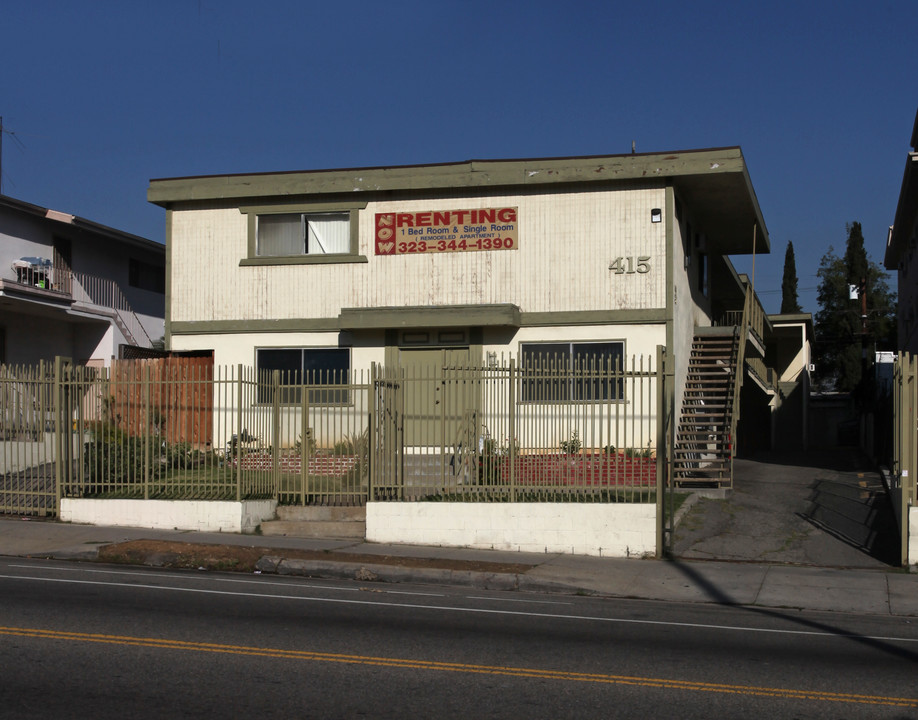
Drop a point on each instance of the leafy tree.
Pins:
(840, 329)
(789, 302)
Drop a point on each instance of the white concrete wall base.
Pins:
(608, 530)
(912, 536)
(200, 515)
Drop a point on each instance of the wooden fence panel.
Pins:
(173, 396)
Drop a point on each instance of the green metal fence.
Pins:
(547, 431)
(229, 434)
(29, 416)
(164, 429)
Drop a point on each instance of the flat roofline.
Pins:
(793, 319)
(460, 163)
(714, 182)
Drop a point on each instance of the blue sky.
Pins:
(102, 96)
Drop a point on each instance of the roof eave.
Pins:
(80, 223)
(906, 209)
(468, 174)
(715, 181)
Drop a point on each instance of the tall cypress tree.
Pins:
(855, 254)
(789, 302)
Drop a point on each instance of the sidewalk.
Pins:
(870, 591)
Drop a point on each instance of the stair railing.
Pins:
(103, 292)
(741, 332)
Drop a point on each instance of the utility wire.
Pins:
(12, 134)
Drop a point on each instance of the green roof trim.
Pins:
(714, 181)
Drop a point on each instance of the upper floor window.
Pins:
(303, 234)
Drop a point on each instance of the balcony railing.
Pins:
(84, 289)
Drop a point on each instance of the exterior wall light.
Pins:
(656, 215)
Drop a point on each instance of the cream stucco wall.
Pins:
(198, 515)
(616, 530)
(567, 241)
(240, 348)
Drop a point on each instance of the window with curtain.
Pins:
(291, 234)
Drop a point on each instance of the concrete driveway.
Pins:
(824, 508)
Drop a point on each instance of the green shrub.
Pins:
(572, 445)
(111, 457)
(355, 445)
(641, 453)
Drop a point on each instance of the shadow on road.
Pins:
(815, 626)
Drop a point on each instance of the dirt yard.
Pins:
(236, 558)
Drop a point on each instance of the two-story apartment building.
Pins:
(554, 258)
(75, 288)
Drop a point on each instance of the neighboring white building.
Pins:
(74, 288)
(338, 269)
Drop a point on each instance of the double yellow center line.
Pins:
(648, 682)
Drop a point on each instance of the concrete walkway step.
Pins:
(317, 521)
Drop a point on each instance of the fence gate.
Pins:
(387, 420)
(34, 404)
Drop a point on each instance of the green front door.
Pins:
(439, 395)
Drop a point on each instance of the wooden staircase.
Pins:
(703, 453)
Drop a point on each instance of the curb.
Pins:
(364, 572)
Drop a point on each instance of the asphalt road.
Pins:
(114, 642)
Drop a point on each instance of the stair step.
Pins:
(318, 521)
(702, 458)
(697, 439)
(709, 464)
(321, 513)
(693, 431)
(703, 454)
